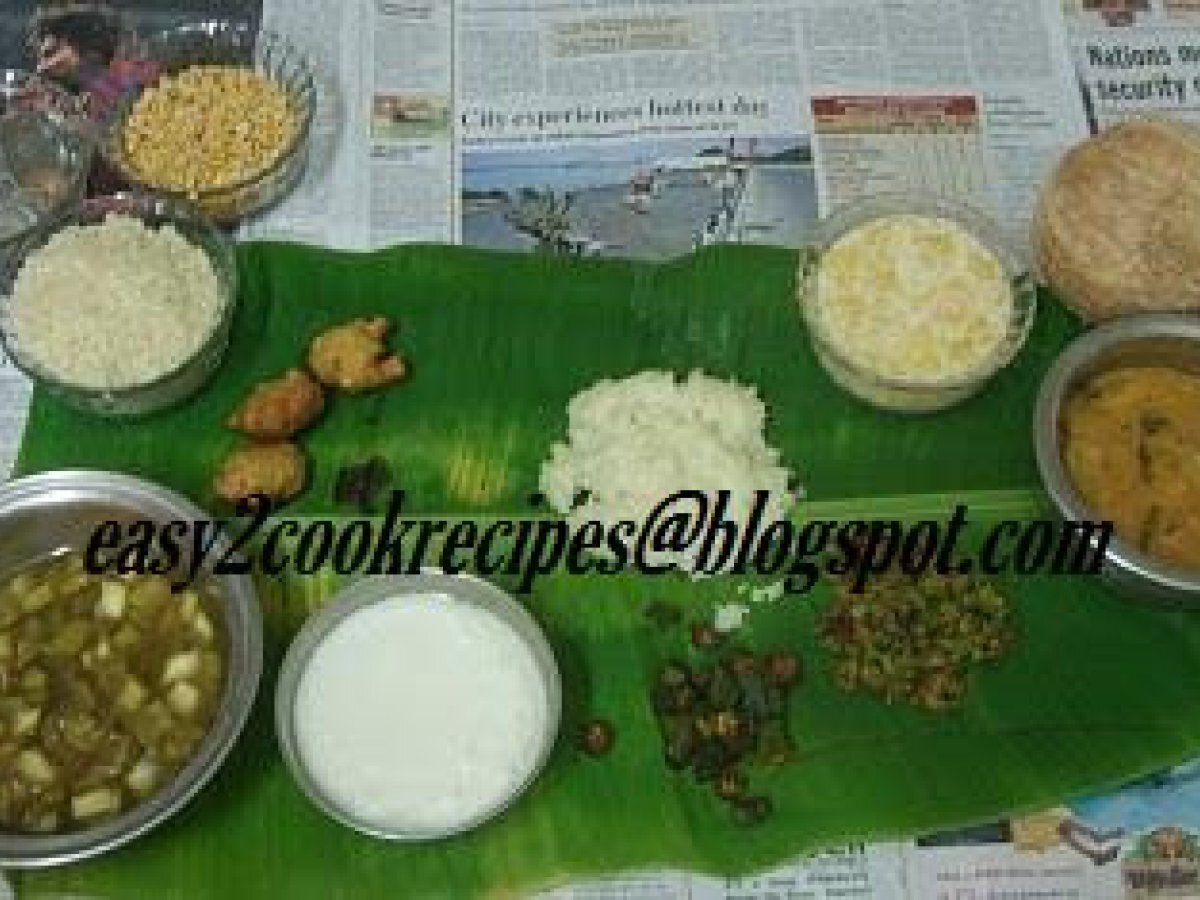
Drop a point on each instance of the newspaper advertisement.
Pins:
(1136, 57)
(1140, 843)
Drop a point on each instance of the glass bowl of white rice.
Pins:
(123, 307)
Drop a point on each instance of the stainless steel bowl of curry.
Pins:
(1117, 437)
(121, 699)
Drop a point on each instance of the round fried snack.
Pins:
(277, 470)
(1118, 226)
(277, 409)
(352, 357)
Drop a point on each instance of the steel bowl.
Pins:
(170, 388)
(43, 514)
(462, 589)
(1156, 339)
(222, 42)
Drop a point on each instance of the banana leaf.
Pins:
(1097, 690)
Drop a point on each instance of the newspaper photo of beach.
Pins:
(410, 115)
(649, 199)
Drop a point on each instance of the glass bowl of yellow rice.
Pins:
(223, 124)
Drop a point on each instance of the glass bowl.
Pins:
(170, 388)
(226, 43)
(45, 154)
(457, 589)
(914, 395)
(24, 91)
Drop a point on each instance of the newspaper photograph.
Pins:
(643, 199)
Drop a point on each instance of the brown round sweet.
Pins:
(1117, 228)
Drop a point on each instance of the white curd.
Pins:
(420, 714)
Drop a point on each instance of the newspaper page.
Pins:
(966, 99)
(324, 208)
(384, 168)
(1136, 57)
(637, 133)
(15, 391)
(1139, 843)
(856, 871)
(646, 131)
(413, 167)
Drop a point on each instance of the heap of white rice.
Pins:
(633, 443)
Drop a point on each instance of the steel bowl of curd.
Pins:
(418, 707)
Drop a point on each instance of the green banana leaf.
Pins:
(1097, 691)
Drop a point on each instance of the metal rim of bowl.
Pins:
(138, 204)
(462, 588)
(243, 671)
(982, 227)
(1060, 380)
(257, 38)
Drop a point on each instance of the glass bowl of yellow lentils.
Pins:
(224, 125)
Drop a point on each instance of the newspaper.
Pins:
(384, 165)
(648, 128)
(1138, 57)
(645, 130)
(15, 391)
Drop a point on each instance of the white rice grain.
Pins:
(114, 305)
(633, 443)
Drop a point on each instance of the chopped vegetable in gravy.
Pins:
(1132, 448)
(107, 687)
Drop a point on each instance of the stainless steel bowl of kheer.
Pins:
(122, 697)
(1117, 435)
(417, 707)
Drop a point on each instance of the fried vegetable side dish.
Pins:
(110, 684)
(723, 712)
(915, 639)
(277, 409)
(352, 357)
(277, 470)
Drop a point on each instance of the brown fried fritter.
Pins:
(277, 409)
(352, 357)
(277, 469)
